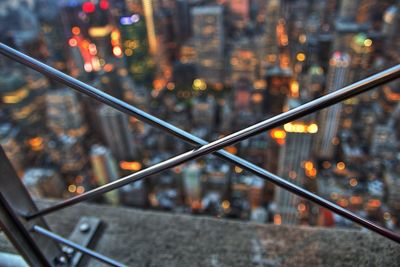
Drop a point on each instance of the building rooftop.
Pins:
(148, 238)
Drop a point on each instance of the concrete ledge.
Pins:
(146, 238)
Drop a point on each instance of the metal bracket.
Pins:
(85, 233)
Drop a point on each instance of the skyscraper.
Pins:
(346, 25)
(208, 35)
(191, 184)
(271, 42)
(64, 113)
(136, 48)
(44, 182)
(117, 133)
(391, 27)
(20, 103)
(12, 148)
(278, 87)
(330, 117)
(240, 10)
(243, 61)
(68, 152)
(295, 163)
(105, 169)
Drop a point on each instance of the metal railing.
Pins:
(202, 147)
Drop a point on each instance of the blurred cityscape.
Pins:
(210, 68)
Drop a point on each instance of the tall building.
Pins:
(278, 88)
(243, 61)
(360, 54)
(209, 40)
(44, 182)
(159, 24)
(391, 27)
(314, 82)
(181, 20)
(271, 40)
(48, 14)
(346, 25)
(295, 164)
(117, 133)
(330, 118)
(204, 113)
(191, 184)
(105, 169)
(68, 153)
(19, 103)
(64, 113)
(11, 145)
(240, 10)
(136, 49)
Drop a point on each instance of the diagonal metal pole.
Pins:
(16, 232)
(78, 247)
(325, 101)
(14, 201)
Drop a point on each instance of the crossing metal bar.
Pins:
(14, 200)
(325, 101)
(19, 237)
(78, 247)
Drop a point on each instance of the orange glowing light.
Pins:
(75, 30)
(308, 165)
(108, 67)
(294, 89)
(130, 165)
(196, 205)
(158, 84)
(343, 202)
(225, 204)
(36, 143)
(80, 189)
(301, 57)
(277, 219)
(257, 98)
(340, 166)
(374, 203)
(356, 200)
(231, 149)
(311, 173)
(278, 134)
(280, 141)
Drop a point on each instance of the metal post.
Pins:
(14, 199)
